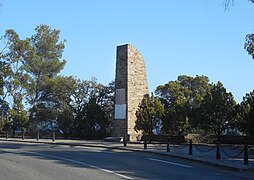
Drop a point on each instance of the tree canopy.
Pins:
(180, 98)
(38, 97)
(217, 111)
(149, 115)
(33, 95)
(249, 44)
(245, 118)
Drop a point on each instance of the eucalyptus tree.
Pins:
(5, 70)
(43, 61)
(15, 79)
(249, 44)
(4, 108)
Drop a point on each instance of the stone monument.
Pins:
(131, 86)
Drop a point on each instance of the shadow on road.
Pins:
(124, 162)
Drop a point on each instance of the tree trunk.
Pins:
(219, 135)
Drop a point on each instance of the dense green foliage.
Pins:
(217, 111)
(180, 98)
(245, 118)
(34, 96)
(192, 104)
(39, 98)
(249, 44)
(149, 115)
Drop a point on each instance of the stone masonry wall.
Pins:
(137, 88)
(131, 86)
(120, 124)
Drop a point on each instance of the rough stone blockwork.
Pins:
(131, 86)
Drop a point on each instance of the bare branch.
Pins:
(227, 4)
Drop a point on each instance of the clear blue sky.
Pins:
(175, 37)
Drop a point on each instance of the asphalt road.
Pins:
(43, 161)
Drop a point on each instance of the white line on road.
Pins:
(77, 162)
(85, 164)
(172, 163)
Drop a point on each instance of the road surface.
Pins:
(44, 161)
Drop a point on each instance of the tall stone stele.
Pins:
(131, 86)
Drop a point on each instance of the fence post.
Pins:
(53, 136)
(145, 143)
(190, 147)
(38, 135)
(246, 157)
(218, 150)
(168, 144)
(124, 140)
(23, 135)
